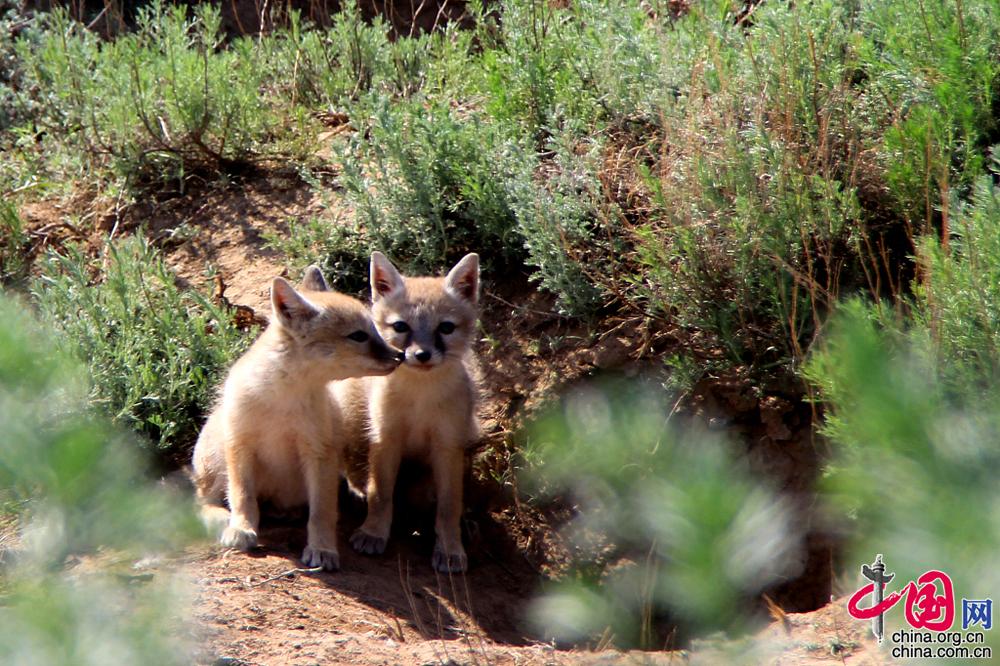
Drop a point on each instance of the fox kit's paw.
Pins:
(365, 543)
(316, 557)
(444, 562)
(235, 537)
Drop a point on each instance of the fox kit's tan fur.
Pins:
(274, 434)
(427, 408)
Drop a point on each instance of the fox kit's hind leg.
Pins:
(322, 476)
(383, 461)
(449, 556)
(242, 494)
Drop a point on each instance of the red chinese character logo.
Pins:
(924, 607)
(934, 611)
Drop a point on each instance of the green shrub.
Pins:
(155, 352)
(914, 453)
(340, 251)
(14, 110)
(158, 103)
(561, 211)
(912, 396)
(14, 245)
(77, 487)
(336, 67)
(428, 185)
(549, 69)
(958, 293)
(754, 217)
(936, 63)
(669, 523)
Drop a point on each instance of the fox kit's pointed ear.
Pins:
(463, 279)
(385, 279)
(288, 305)
(313, 280)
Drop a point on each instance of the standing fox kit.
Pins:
(427, 407)
(275, 434)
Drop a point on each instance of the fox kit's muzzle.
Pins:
(386, 354)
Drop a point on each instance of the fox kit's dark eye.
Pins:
(358, 336)
(446, 327)
(400, 326)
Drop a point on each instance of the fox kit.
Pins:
(427, 408)
(274, 434)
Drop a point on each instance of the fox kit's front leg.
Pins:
(448, 463)
(242, 494)
(322, 476)
(383, 465)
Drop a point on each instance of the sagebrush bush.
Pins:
(911, 390)
(914, 451)
(157, 103)
(754, 207)
(339, 67)
(14, 245)
(957, 293)
(339, 250)
(562, 215)
(14, 110)
(548, 69)
(939, 66)
(155, 351)
(756, 199)
(428, 184)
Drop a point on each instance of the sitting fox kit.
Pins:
(275, 435)
(427, 407)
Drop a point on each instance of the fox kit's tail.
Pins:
(211, 509)
(215, 517)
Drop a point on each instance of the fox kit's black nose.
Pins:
(423, 356)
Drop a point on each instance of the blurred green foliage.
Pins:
(912, 395)
(77, 486)
(670, 523)
(913, 472)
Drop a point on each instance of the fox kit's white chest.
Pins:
(289, 428)
(418, 408)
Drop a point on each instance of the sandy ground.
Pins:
(263, 609)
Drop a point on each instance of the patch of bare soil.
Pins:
(220, 227)
(224, 227)
(262, 608)
(828, 635)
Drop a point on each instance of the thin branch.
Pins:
(284, 574)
